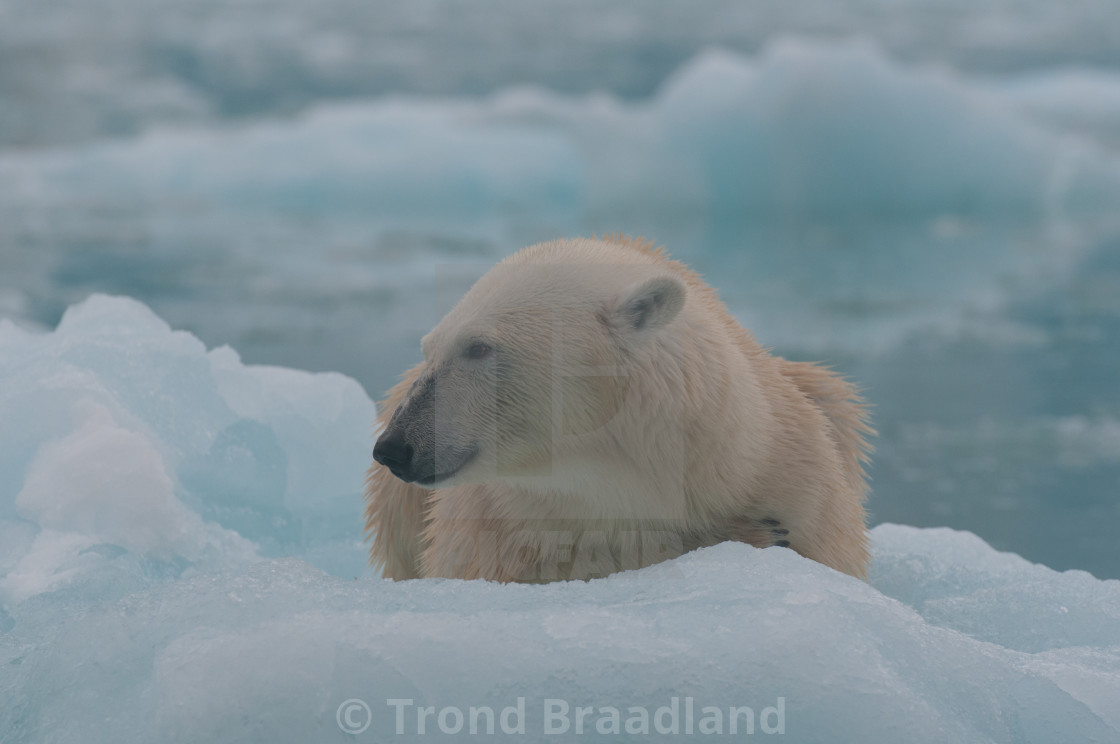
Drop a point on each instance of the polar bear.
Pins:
(591, 406)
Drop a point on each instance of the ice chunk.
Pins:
(136, 446)
(105, 485)
(955, 580)
(843, 130)
(107, 481)
(1083, 100)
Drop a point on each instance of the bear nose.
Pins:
(394, 453)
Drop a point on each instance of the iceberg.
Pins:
(181, 559)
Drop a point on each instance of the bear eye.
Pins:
(478, 350)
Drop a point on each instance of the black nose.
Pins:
(394, 453)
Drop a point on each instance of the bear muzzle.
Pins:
(394, 452)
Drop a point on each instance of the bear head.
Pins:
(522, 380)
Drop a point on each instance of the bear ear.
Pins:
(650, 305)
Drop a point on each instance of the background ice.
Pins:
(76, 70)
(150, 488)
(785, 135)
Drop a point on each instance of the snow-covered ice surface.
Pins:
(181, 561)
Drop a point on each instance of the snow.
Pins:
(181, 560)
